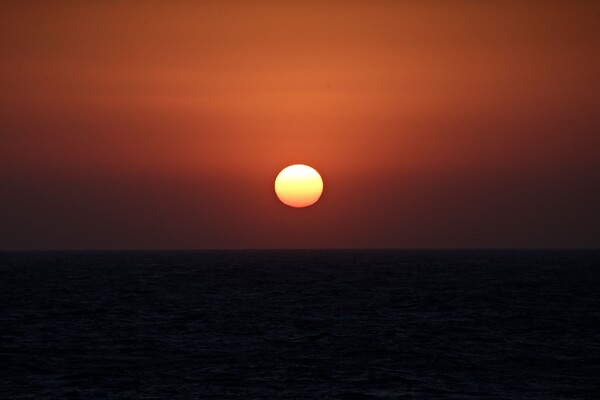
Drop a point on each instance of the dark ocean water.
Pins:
(300, 325)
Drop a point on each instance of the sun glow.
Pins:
(298, 186)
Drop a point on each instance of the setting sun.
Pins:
(298, 186)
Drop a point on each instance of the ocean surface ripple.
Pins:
(356, 324)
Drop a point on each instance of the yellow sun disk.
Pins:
(299, 186)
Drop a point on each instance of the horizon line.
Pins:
(237, 249)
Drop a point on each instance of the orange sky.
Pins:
(163, 124)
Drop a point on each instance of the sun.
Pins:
(299, 186)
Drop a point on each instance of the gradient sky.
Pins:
(163, 124)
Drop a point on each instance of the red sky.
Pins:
(163, 124)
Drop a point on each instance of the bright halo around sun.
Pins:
(299, 186)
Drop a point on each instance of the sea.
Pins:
(300, 324)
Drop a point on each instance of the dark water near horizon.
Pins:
(503, 324)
